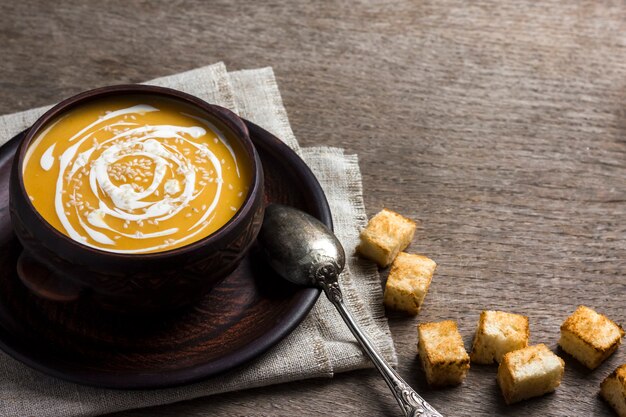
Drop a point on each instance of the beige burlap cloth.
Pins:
(319, 347)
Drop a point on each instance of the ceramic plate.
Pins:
(246, 314)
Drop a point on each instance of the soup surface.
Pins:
(136, 174)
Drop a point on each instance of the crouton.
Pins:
(408, 282)
(613, 390)
(590, 337)
(498, 333)
(529, 372)
(386, 234)
(442, 353)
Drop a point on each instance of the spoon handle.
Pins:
(412, 404)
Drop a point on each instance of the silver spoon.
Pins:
(302, 250)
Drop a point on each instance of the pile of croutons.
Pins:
(524, 371)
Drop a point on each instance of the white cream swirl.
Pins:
(138, 174)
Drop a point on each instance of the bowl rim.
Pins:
(231, 120)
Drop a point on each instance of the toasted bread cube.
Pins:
(498, 333)
(590, 337)
(386, 234)
(442, 353)
(408, 282)
(529, 372)
(613, 390)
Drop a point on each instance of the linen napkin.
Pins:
(319, 347)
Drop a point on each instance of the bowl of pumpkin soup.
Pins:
(139, 198)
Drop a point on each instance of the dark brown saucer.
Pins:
(243, 316)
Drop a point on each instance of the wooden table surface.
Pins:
(499, 125)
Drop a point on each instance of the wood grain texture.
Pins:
(500, 125)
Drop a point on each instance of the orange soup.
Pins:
(136, 174)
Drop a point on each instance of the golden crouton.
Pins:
(529, 372)
(408, 282)
(590, 337)
(613, 390)
(442, 353)
(386, 234)
(498, 332)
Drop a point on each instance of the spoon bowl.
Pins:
(295, 243)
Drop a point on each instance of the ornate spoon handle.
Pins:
(412, 404)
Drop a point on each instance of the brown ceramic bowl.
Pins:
(57, 267)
